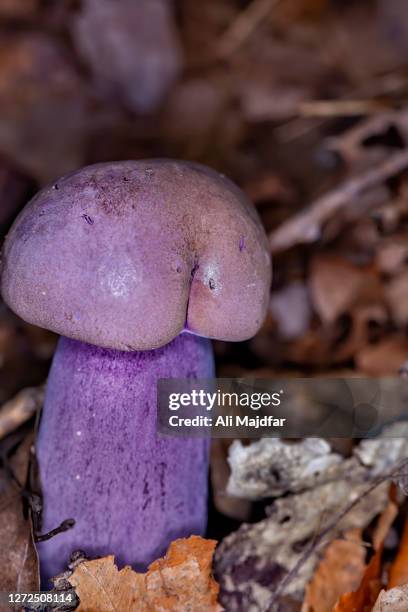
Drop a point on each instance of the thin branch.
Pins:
(340, 108)
(319, 539)
(65, 526)
(306, 226)
(243, 26)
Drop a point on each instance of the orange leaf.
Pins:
(182, 580)
(399, 569)
(363, 599)
(340, 570)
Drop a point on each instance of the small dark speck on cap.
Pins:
(242, 243)
(56, 186)
(211, 284)
(88, 219)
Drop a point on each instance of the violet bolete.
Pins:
(122, 259)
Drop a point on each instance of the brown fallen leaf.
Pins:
(180, 581)
(256, 564)
(340, 570)
(396, 294)
(365, 596)
(392, 254)
(398, 574)
(336, 285)
(385, 357)
(266, 186)
(365, 322)
(18, 558)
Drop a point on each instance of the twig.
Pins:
(20, 409)
(306, 226)
(65, 526)
(340, 108)
(243, 26)
(319, 539)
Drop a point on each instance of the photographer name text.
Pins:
(227, 421)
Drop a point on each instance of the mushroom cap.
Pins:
(126, 255)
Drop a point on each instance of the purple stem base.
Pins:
(129, 490)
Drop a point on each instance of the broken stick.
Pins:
(306, 226)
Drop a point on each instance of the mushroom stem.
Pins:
(129, 490)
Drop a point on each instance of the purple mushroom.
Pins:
(136, 265)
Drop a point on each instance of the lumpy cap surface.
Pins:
(126, 255)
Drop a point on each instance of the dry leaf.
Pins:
(362, 326)
(365, 321)
(179, 582)
(364, 597)
(340, 570)
(323, 482)
(252, 562)
(397, 298)
(385, 357)
(336, 285)
(18, 558)
(367, 591)
(266, 186)
(392, 254)
(398, 574)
